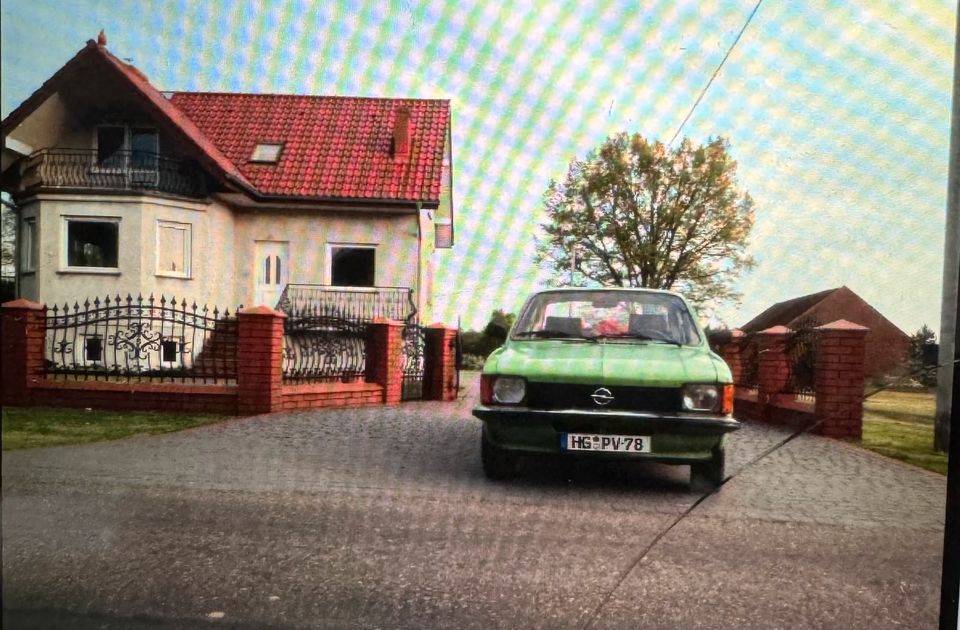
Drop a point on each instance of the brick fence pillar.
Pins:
(840, 379)
(773, 368)
(259, 360)
(385, 358)
(732, 353)
(440, 363)
(24, 327)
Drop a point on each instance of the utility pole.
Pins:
(948, 374)
(951, 268)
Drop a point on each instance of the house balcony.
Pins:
(123, 171)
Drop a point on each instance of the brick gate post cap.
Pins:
(387, 321)
(776, 330)
(438, 325)
(844, 326)
(23, 304)
(260, 310)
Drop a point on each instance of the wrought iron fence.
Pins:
(325, 331)
(140, 338)
(122, 170)
(750, 363)
(412, 356)
(322, 342)
(801, 349)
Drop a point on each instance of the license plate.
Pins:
(605, 443)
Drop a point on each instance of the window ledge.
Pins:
(176, 276)
(102, 271)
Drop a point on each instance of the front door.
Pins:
(272, 270)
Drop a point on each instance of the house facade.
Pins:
(224, 198)
(886, 347)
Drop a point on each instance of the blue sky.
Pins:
(837, 112)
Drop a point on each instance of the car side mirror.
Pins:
(496, 331)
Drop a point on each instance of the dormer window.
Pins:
(267, 153)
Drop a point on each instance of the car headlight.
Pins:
(697, 397)
(509, 390)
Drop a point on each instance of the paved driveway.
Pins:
(381, 518)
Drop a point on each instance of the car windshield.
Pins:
(607, 314)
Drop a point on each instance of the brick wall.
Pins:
(440, 363)
(384, 359)
(837, 409)
(259, 386)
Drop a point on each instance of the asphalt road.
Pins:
(381, 518)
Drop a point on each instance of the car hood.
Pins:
(608, 362)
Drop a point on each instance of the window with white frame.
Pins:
(91, 242)
(353, 266)
(173, 249)
(28, 245)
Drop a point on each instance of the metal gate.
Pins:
(414, 343)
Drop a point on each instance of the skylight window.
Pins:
(266, 152)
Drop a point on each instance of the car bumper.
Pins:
(677, 438)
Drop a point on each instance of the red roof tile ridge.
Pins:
(310, 96)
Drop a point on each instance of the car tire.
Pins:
(707, 476)
(497, 463)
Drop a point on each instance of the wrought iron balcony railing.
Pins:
(364, 304)
(135, 171)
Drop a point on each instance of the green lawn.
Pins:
(900, 425)
(32, 427)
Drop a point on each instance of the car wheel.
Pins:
(497, 463)
(706, 476)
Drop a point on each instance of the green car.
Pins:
(609, 373)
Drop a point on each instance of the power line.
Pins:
(716, 72)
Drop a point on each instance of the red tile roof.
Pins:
(333, 147)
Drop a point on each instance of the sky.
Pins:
(837, 112)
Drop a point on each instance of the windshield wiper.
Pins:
(550, 334)
(641, 337)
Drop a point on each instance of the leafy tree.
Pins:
(637, 213)
(483, 343)
(8, 246)
(923, 359)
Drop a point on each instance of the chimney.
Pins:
(102, 39)
(401, 134)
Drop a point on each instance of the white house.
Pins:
(223, 198)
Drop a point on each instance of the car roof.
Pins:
(607, 290)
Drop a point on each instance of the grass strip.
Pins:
(34, 427)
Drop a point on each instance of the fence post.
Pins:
(385, 358)
(24, 328)
(440, 363)
(840, 379)
(773, 369)
(732, 353)
(259, 360)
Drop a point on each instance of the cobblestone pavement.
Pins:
(381, 518)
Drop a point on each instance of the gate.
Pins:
(414, 343)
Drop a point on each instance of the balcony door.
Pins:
(271, 270)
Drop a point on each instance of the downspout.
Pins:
(420, 262)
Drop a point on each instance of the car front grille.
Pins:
(567, 396)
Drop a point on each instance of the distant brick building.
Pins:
(887, 346)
